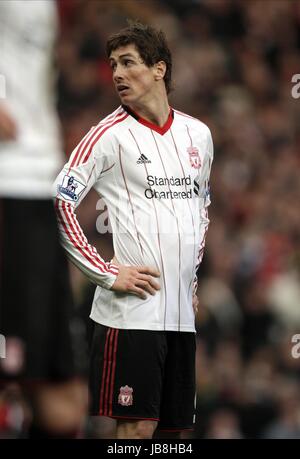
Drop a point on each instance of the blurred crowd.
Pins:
(233, 65)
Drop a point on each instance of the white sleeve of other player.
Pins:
(204, 202)
(71, 186)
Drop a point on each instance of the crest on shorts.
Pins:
(195, 160)
(125, 396)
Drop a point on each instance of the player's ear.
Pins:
(160, 69)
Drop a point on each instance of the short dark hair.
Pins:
(150, 43)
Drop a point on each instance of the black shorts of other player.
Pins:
(36, 304)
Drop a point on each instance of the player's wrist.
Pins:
(112, 268)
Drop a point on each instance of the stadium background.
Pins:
(233, 65)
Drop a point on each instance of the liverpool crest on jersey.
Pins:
(195, 160)
(125, 396)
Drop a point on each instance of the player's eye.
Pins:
(128, 62)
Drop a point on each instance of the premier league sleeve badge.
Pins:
(70, 189)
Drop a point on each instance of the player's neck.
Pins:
(156, 110)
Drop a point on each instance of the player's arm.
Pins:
(71, 186)
(204, 202)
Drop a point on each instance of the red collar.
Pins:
(160, 129)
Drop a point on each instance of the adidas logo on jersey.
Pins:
(143, 160)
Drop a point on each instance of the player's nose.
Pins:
(118, 75)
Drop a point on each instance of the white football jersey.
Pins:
(29, 164)
(155, 183)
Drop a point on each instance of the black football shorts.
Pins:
(36, 305)
(142, 374)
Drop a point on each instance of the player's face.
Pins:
(133, 80)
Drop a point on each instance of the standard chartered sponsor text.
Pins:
(169, 182)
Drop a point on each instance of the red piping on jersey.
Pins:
(91, 173)
(85, 251)
(100, 135)
(160, 129)
(60, 213)
(108, 169)
(79, 234)
(90, 134)
(129, 199)
(93, 139)
(92, 251)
